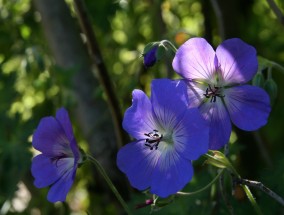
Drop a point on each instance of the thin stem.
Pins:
(102, 70)
(219, 17)
(262, 148)
(109, 182)
(170, 44)
(202, 189)
(251, 199)
(224, 195)
(226, 150)
(221, 161)
(277, 66)
(261, 187)
(269, 73)
(276, 10)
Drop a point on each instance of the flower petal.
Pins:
(75, 150)
(237, 61)
(138, 119)
(63, 117)
(169, 95)
(44, 171)
(171, 174)
(191, 135)
(138, 162)
(50, 138)
(195, 92)
(60, 189)
(219, 121)
(195, 59)
(248, 106)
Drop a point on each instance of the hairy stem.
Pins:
(251, 199)
(109, 182)
(202, 189)
(260, 186)
(224, 195)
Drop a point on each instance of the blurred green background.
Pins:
(45, 65)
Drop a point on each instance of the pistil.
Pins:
(153, 139)
(213, 93)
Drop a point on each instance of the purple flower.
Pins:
(217, 86)
(168, 136)
(150, 57)
(56, 166)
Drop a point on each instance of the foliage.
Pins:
(33, 86)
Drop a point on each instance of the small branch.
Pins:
(109, 182)
(219, 18)
(262, 148)
(261, 187)
(102, 70)
(226, 150)
(276, 10)
(251, 199)
(202, 189)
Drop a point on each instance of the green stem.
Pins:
(204, 188)
(109, 182)
(252, 200)
(278, 66)
(221, 161)
(170, 44)
(269, 73)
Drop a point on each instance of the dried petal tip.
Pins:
(145, 204)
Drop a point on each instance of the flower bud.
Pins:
(258, 80)
(155, 51)
(150, 56)
(271, 88)
(218, 159)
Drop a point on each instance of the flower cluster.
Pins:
(181, 120)
(185, 118)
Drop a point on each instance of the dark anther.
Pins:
(153, 140)
(213, 93)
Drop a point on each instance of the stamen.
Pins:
(213, 93)
(153, 140)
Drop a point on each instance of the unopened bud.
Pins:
(155, 51)
(218, 159)
(271, 88)
(150, 57)
(258, 80)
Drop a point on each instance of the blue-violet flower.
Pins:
(217, 86)
(168, 137)
(57, 165)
